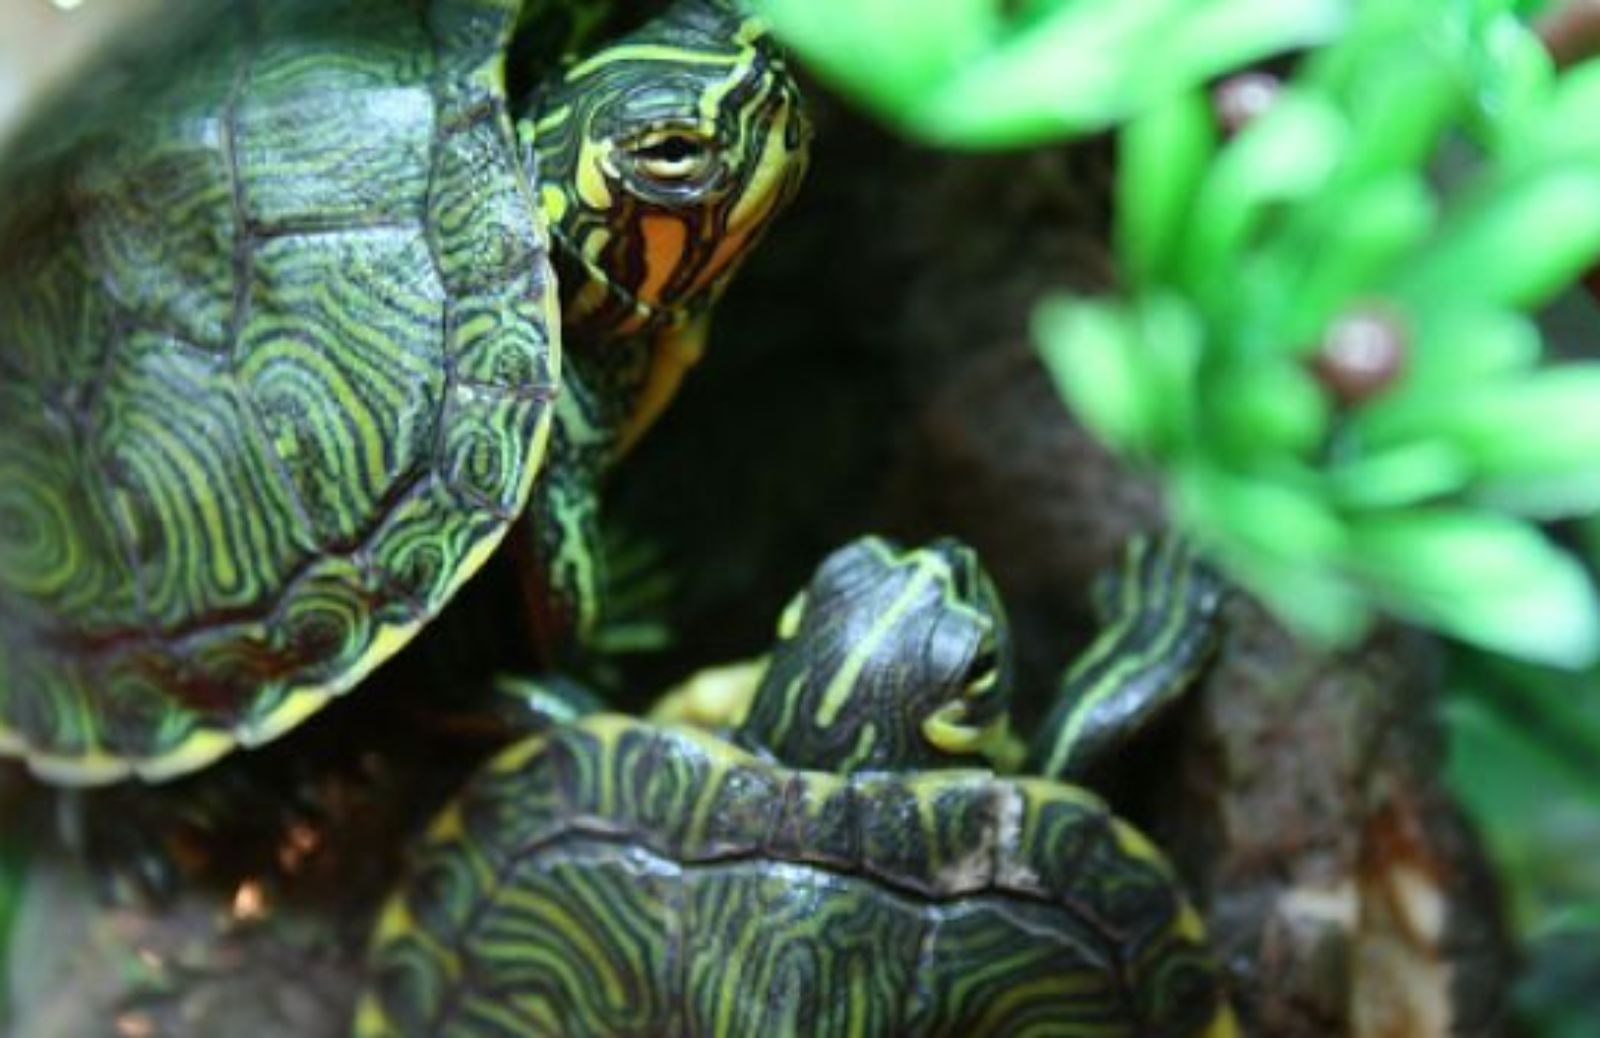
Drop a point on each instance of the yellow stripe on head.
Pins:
(681, 141)
(890, 659)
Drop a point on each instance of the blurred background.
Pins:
(1523, 743)
(41, 39)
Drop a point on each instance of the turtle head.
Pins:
(661, 160)
(889, 659)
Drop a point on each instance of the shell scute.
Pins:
(817, 820)
(583, 966)
(785, 950)
(158, 219)
(994, 966)
(733, 811)
(171, 429)
(44, 706)
(485, 455)
(895, 844)
(447, 890)
(342, 356)
(422, 547)
(519, 811)
(134, 170)
(501, 341)
(470, 34)
(138, 718)
(478, 202)
(55, 340)
(1072, 845)
(331, 618)
(303, 124)
(646, 789)
(59, 545)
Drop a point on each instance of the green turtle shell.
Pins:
(277, 350)
(617, 878)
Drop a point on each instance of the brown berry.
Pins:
(1362, 353)
(1240, 99)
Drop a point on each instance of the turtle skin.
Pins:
(620, 878)
(278, 344)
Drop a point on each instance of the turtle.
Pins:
(863, 847)
(306, 307)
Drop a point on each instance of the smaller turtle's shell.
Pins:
(621, 878)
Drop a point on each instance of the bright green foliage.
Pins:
(1242, 255)
(1523, 742)
(985, 73)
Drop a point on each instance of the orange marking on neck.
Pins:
(665, 241)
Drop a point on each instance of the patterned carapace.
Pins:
(280, 341)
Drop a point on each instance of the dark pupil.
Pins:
(672, 149)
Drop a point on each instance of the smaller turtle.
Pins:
(842, 863)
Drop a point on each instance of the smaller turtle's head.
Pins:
(662, 158)
(889, 659)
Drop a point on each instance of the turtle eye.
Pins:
(673, 158)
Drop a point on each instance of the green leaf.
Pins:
(1456, 346)
(1211, 38)
(1559, 708)
(1523, 746)
(1514, 74)
(1565, 128)
(1278, 542)
(1071, 72)
(1343, 259)
(889, 53)
(1267, 409)
(962, 74)
(1287, 153)
(18, 855)
(1167, 341)
(1532, 443)
(1129, 375)
(1089, 350)
(1488, 580)
(1316, 603)
(1524, 797)
(1163, 152)
(1273, 519)
(1582, 919)
(1411, 474)
(1399, 98)
(1513, 247)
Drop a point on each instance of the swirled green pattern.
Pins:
(621, 879)
(277, 346)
